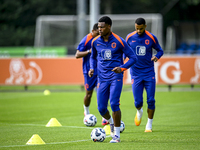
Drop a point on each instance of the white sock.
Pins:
(139, 113)
(110, 120)
(149, 124)
(103, 118)
(117, 131)
(86, 110)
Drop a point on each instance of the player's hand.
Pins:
(154, 58)
(91, 72)
(117, 70)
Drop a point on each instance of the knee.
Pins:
(102, 110)
(114, 107)
(138, 104)
(151, 104)
(89, 95)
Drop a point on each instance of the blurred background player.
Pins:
(84, 51)
(107, 52)
(142, 72)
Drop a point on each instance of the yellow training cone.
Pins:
(107, 129)
(34, 140)
(53, 122)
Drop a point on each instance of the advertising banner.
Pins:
(25, 71)
(7, 52)
(175, 70)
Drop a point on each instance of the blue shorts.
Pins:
(90, 82)
(138, 86)
(109, 90)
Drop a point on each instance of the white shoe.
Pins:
(148, 128)
(115, 139)
(137, 120)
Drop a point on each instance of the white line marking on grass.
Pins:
(51, 143)
(13, 146)
(78, 127)
(50, 127)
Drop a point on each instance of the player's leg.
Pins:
(137, 89)
(87, 100)
(115, 93)
(102, 102)
(90, 84)
(102, 99)
(150, 86)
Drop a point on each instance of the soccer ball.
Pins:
(98, 135)
(90, 120)
(122, 127)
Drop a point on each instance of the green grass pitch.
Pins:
(176, 122)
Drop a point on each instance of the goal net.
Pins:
(61, 30)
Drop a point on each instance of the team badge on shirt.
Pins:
(106, 54)
(140, 50)
(113, 45)
(147, 42)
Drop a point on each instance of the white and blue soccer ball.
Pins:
(90, 120)
(122, 127)
(98, 135)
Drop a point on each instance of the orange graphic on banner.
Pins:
(41, 71)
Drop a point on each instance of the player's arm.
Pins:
(159, 50)
(131, 55)
(80, 54)
(93, 61)
(117, 70)
(154, 58)
(91, 72)
(127, 41)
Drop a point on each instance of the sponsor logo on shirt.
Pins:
(106, 54)
(133, 41)
(140, 50)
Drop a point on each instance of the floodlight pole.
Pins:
(94, 12)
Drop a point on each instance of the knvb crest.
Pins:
(106, 54)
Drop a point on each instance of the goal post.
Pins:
(61, 30)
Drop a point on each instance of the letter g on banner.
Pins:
(176, 73)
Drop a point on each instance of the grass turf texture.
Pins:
(176, 122)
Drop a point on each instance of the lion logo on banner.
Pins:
(20, 75)
(196, 78)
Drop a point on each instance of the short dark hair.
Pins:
(95, 26)
(106, 19)
(140, 21)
